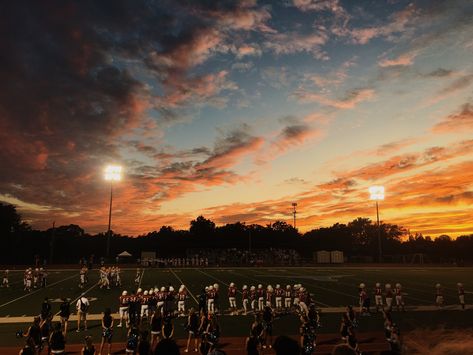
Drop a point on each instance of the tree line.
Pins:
(357, 239)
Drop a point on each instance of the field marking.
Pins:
(38, 290)
(141, 278)
(182, 282)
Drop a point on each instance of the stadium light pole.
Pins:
(294, 212)
(377, 194)
(112, 173)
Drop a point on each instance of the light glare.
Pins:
(113, 173)
(376, 193)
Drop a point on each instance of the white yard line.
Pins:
(141, 278)
(182, 282)
(38, 290)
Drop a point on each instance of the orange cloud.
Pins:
(458, 122)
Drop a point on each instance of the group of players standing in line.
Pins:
(32, 278)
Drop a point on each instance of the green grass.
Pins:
(331, 287)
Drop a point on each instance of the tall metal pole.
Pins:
(249, 241)
(51, 244)
(380, 254)
(109, 220)
(294, 213)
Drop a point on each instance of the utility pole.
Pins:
(294, 212)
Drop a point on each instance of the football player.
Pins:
(123, 302)
(232, 298)
(389, 296)
(399, 297)
(461, 294)
(288, 297)
(378, 297)
(181, 301)
(279, 292)
(269, 296)
(439, 295)
(82, 277)
(303, 301)
(5, 282)
(211, 300)
(161, 297)
(253, 298)
(144, 305)
(295, 293)
(260, 295)
(245, 296)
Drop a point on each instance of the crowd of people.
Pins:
(149, 315)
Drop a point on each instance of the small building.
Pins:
(323, 257)
(336, 257)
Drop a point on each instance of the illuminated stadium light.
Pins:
(113, 173)
(376, 193)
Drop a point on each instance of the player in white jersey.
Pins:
(378, 297)
(399, 297)
(5, 282)
(181, 301)
(279, 292)
(288, 297)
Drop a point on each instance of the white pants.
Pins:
(439, 300)
(287, 302)
(278, 302)
(260, 303)
(160, 305)
(253, 304)
(232, 302)
(144, 310)
(181, 306)
(210, 305)
(268, 303)
(389, 302)
(399, 301)
(378, 300)
(245, 304)
(304, 307)
(462, 299)
(123, 311)
(296, 301)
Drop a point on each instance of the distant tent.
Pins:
(124, 254)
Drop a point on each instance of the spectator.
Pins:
(45, 309)
(29, 348)
(82, 307)
(132, 340)
(252, 345)
(156, 324)
(166, 347)
(107, 330)
(144, 346)
(57, 342)
(64, 313)
(34, 332)
(88, 348)
(283, 345)
(192, 328)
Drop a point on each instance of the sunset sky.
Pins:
(236, 109)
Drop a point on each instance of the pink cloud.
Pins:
(350, 101)
(458, 122)
(405, 59)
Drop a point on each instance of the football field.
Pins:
(332, 288)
